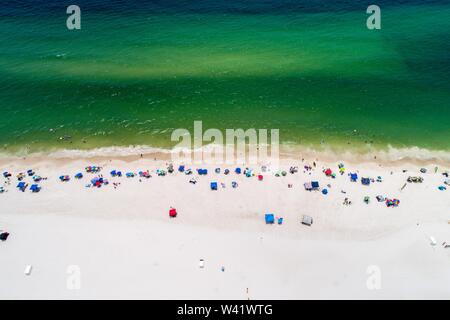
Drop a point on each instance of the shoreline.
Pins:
(382, 157)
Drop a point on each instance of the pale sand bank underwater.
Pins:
(126, 246)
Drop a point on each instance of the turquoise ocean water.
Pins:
(138, 70)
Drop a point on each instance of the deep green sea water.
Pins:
(312, 69)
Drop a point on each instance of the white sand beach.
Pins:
(124, 244)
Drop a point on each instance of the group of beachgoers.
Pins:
(97, 180)
(30, 180)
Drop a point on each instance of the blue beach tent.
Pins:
(324, 191)
(181, 168)
(269, 218)
(315, 184)
(35, 188)
(238, 170)
(22, 186)
(79, 175)
(353, 177)
(213, 185)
